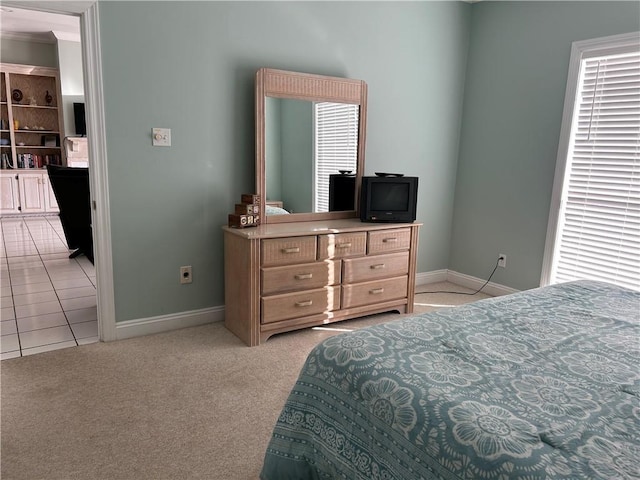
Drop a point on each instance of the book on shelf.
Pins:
(32, 160)
(29, 160)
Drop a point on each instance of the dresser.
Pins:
(286, 276)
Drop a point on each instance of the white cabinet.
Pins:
(50, 202)
(27, 192)
(10, 202)
(31, 192)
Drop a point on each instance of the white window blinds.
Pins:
(336, 146)
(599, 223)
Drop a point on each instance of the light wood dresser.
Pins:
(286, 276)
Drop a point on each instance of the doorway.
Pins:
(89, 33)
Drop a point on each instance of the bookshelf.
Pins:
(31, 122)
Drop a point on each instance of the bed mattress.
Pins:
(538, 384)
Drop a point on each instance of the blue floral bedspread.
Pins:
(538, 384)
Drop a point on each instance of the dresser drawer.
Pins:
(302, 304)
(300, 277)
(369, 293)
(285, 251)
(342, 245)
(375, 266)
(382, 241)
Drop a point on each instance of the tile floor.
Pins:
(48, 299)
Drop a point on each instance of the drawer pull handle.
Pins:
(343, 245)
(376, 291)
(377, 266)
(303, 276)
(291, 250)
(389, 240)
(305, 303)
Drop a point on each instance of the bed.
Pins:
(538, 384)
(275, 207)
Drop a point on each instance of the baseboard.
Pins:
(193, 318)
(431, 277)
(29, 215)
(494, 289)
(165, 323)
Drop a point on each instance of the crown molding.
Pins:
(47, 37)
(67, 36)
(65, 7)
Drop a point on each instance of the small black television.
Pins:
(79, 118)
(342, 192)
(388, 199)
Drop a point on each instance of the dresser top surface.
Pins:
(273, 230)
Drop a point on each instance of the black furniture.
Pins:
(71, 188)
(342, 191)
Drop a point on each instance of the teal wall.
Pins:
(71, 81)
(28, 52)
(297, 155)
(190, 66)
(273, 148)
(516, 79)
(289, 152)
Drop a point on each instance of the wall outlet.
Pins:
(185, 274)
(502, 260)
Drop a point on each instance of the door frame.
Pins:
(88, 12)
(98, 173)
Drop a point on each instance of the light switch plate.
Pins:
(161, 137)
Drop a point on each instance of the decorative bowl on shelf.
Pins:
(4, 141)
(21, 144)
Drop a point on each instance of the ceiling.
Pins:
(23, 24)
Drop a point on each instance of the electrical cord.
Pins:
(468, 293)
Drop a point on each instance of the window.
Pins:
(336, 146)
(594, 222)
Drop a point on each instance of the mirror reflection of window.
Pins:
(335, 147)
(305, 143)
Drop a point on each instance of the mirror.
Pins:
(310, 134)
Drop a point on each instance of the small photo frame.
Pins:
(49, 141)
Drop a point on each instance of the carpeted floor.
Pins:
(188, 404)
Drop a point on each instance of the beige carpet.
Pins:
(188, 404)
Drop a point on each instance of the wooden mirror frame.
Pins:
(319, 88)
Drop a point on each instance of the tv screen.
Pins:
(389, 196)
(78, 115)
(388, 199)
